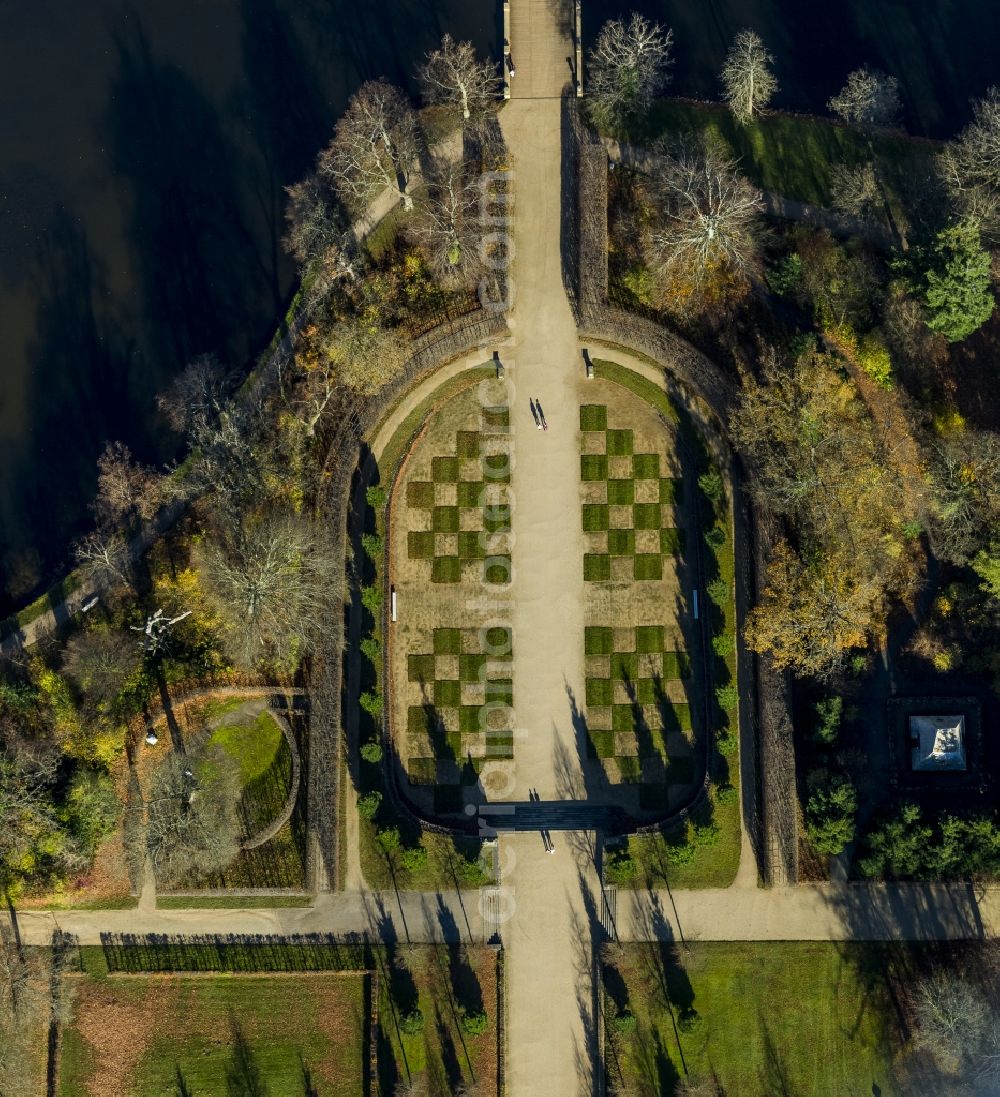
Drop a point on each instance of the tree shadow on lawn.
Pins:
(244, 1077)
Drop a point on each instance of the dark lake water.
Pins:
(144, 148)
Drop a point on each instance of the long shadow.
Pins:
(244, 1077)
(183, 1089)
(462, 978)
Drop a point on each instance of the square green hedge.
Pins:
(496, 518)
(671, 490)
(499, 642)
(676, 664)
(596, 567)
(445, 520)
(648, 565)
(645, 691)
(625, 664)
(648, 638)
(447, 641)
(470, 545)
(470, 667)
(595, 517)
(593, 417)
(420, 493)
(417, 720)
(446, 569)
(599, 691)
(500, 691)
(445, 470)
(621, 492)
(676, 716)
(496, 417)
(619, 443)
(470, 493)
(621, 542)
(623, 719)
(420, 668)
(496, 468)
(447, 693)
(467, 443)
(593, 467)
(468, 720)
(598, 640)
(646, 515)
(631, 770)
(422, 771)
(646, 466)
(497, 571)
(601, 744)
(420, 544)
(671, 541)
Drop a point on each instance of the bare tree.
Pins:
(970, 165)
(127, 492)
(869, 98)
(271, 585)
(105, 558)
(101, 661)
(447, 225)
(192, 827)
(708, 216)
(856, 192)
(453, 77)
(746, 76)
(952, 1019)
(196, 396)
(628, 68)
(376, 142)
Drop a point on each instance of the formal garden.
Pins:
(450, 654)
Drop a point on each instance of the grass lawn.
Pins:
(441, 982)
(791, 154)
(217, 1034)
(254, 747)
(798, 1017)
(235, 902)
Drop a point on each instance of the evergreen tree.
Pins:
(956, 283)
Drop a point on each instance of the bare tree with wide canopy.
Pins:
(747, 76)
(628, 68)
(453, 77)
(376, 142)
(869, 98)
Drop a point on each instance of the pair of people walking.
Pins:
(537, 414)
(546, 837)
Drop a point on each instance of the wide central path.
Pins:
(549, 938)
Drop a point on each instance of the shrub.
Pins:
(412, 1023)
(786, 277)
(475, 1023)
(715, 537)
(724, 644)
(873, 358)
(726, 794)
(369, 804)
(371, 599)
(705, 834)
(413, 858)
(726, 744)
(728, 697)
(376, 497)
(371, 702)
(373, 546)
(828, 716)
(620, 867)
(719, 591)
(388, 839)
(623, 1023)
(371, 649)
(830, 812)
(371, 752)
(711, 485)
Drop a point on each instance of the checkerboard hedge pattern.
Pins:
(629, 512)
(460, 710)
(462, 505)
(637, 712)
